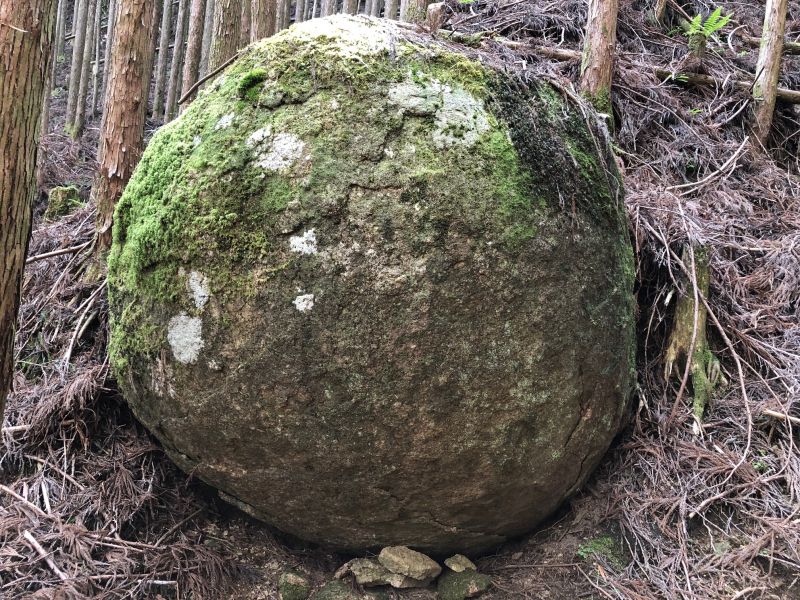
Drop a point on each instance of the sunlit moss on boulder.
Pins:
(376, 291)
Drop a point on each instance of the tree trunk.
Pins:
(26, 35)
(391, 9)
(83, 88)
(328, 8)
(79, 27)
(173, 91)
(768, 69)
(246, 29)
(122, 131)
(264, 14)
(112, 16)
(283, 14)
(375, 9)
(191, 67)
(208, 28)
(598, 53)
(61, 28)
(163, 57)
(299, 11)
(413, 11)
(225, 38)
(350, 7)
(96, 64)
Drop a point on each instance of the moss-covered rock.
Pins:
(293, 586)
(377, 291)
(62, 201)
(459, 586)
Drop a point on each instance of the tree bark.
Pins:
(328, 7)
(173, 91)
(191, 67)
(391, 9)
(163, 56)
(350, 7)
(263, 19)
(768, 69)
(26, 35)
(246, 29)
(598, 53)
(283, 14)
(122, 131)
(225, 37)
(76, 131)
(96, 63)
(79, 27)
(299, 11)
(208, 29)
(375, 9)
(112, 16)
(413, 11)
(61, 28)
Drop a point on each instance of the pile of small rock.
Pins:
(398, 567)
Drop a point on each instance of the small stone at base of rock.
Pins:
(405, 561)
(335, 590)
(458, 586)
(460, 563)
(293, 586)
(369, 572)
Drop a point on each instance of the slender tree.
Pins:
(122, 131)
(299, 11)
(61, 27)
(26, 34)
(194, 47)
(208, 29)
(79, 27)
(173, 91)
(283, 14)
(163, 57)
(328, 7)
(79, 119)
(413, 11)
(110, 24)
(96, 54)
(246, 27)
(598, 52)
(768, 69)
(225, 37)
(350, 7)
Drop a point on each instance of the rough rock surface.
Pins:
(408, 562)
(460, 563)
(377, 291)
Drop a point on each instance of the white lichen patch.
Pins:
(197, 141)
(199, 286)
(185, 337)
(304, 302)
(259, 136)
(459, 117)
(304, 244)
(225, 122)
(285, 150)
(276, 153)
(349, 37)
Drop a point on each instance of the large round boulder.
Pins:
(376, 290)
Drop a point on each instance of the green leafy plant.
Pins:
(708, 27)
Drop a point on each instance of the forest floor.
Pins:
(671, 513)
